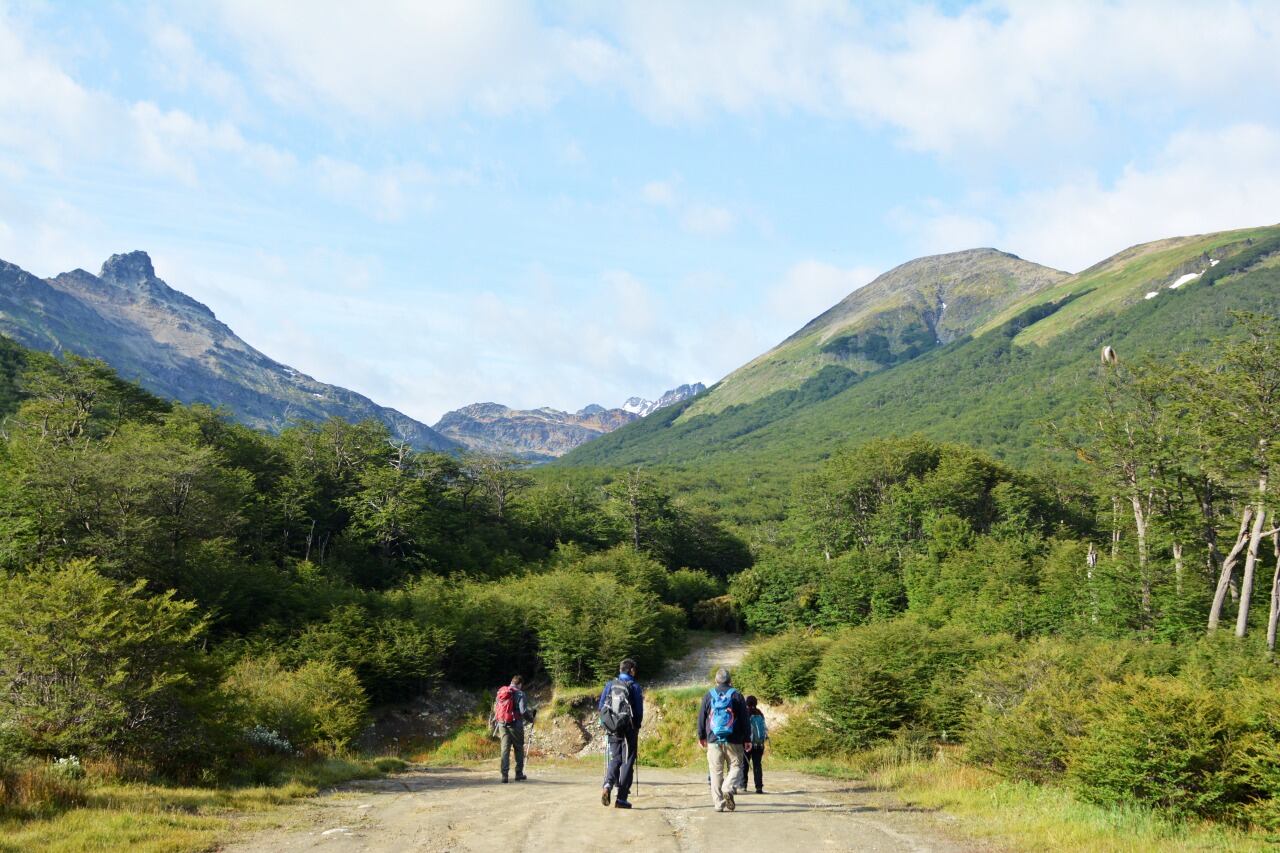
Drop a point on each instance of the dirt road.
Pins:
(461, 810)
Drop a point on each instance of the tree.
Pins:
(499, 478)
(1237, 400)
(89, 664)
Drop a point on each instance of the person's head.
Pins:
(517, 681)
(751, 701)
(722, 678)
(627, 667)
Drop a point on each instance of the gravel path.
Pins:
(461, 810)
(707, 651)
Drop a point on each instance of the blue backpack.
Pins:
(720, 719)
(758, 730)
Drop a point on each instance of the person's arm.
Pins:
(637, 696)
(522, 708)
(603, 693)
(702, 719)
(742, 719)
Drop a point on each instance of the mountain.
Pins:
(543, 434)
(911, 309)
(641, 407)
(175, 347)
(1035, 359)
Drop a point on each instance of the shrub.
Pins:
(30, 788)
(1157, 741)
(778, 593)
(587, 623)
(320, 705)
(1028, 708)
(717, 614)
(686, 588)
(879, 677)
(395, 658)
(804, 735)
(783, 667)
(90, 664)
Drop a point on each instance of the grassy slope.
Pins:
(12, 359)
(989, 392)
(903, 302)
(1123, 279)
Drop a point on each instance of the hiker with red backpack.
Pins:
(510, 713)
(621, 708)
(725, 733)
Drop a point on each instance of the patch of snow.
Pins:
(1152, 295)
(321, 396)
(1191, 276)
(1213, 263)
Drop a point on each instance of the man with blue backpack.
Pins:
(621, 708)
(725, 732)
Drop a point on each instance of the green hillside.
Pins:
(910, 310)
(993, 390)
(12, 360)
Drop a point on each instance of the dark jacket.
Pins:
(637, 698)
(741, 726)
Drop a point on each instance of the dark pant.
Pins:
(512, 741)
(754, 758)
(622, 763)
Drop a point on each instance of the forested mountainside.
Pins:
(175, 347)
(993, 389)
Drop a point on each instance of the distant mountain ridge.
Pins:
(176, 347)
(540, 435)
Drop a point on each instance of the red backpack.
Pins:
(504, 707)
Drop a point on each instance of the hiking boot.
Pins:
(604, 797)
(720, 808)
(622, 804)
(505, 780)
(759, 790)
(729, 803)
(520, 777)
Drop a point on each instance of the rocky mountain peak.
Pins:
(129, 268)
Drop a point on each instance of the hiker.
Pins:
(723, 731)
(510, 713)
(621, 709)
(755, 750)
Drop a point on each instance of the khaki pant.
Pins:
(512, 741)
(724, 760)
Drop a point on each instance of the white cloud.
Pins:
(659, 193)
(392, 59)
(1201, 181)
(707, 220)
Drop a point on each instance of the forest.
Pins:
(195, 601)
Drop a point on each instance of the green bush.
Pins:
(778, 593)
(783, 667)
(395, 658)
(804, 735)
(686, 588)
(319, 705)
(879, 677)
(1030, 706)
(586, 623)
(1162, 742)
(91, 665)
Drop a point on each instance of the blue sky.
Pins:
(559, 204)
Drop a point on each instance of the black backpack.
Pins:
(617, 716)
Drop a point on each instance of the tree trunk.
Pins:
(1140, 525)
(1228, 568)
(1091, 562)
(1115, 527)
(1251, 560)
(1177, 567)
(1275, 593)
